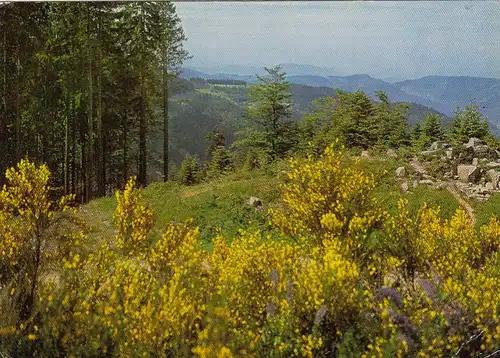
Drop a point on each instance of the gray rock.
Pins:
(365, 154)
(426, 182)
(404, 187)
(481, 151)
(493, 165)
(429, 152)
(489, 186)
(254, 201)
(468, 173)
(415, 183)
(400, 172)
(475, 161)
(391, 153)
(449, 153)
(436, 145)
(440, 185)
(494, 177)
(473, 142)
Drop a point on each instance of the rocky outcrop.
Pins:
(400, 172)
(494, 177)
(468, 173)
(254, 201)
(391, 153)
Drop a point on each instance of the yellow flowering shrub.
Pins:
(36, 233)
(337, 276)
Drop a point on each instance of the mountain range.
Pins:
(442, 93)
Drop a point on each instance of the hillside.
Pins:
(442, 93)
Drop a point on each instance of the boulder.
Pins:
(481, 151)
(404, 187)
(254, 201)
(468, 173)
(400, 172)
(489, 186)
(494, 177)
(473, 142)
(391, 153)
(493, 164)
(436, 145)
(426, 182)
(429, 152)
(475, 161)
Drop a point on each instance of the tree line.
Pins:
(83, 85)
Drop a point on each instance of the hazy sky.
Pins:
(382, 39)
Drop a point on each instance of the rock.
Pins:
(254, 201)
(489, 186)
(475, 161)
(481, 151)
(468, 173)
(415, 183)
(426, 182)
(400, 172)
(473, 142)
(404, 187)
(493, 165)
(440, 185)
(435, 145)
(429, 152)
(449, 153)
(391, 153)
(494, 177)
(365, 154)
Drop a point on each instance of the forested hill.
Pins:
(198, 107)
(442, 93)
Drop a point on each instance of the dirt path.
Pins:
(418, 167)
(468, 208)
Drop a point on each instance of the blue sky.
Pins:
(383, 39)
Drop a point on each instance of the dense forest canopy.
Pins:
(84, 85)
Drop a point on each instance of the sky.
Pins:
(400, 39)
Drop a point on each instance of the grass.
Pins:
(485, 210)
(219, 203)
(388, 190)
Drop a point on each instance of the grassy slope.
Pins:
(217, 203)
(222, 202)
(485, 210)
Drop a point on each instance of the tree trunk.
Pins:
(73, 149)
(142, 177)
(125, 144)
(3, 119)
(17, 155)
(101, 180)
(90, 134)
(66, 145)
(165, 120)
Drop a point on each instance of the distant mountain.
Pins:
(292, 69)
(417, 112)
(442, 93)
(446, 93)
